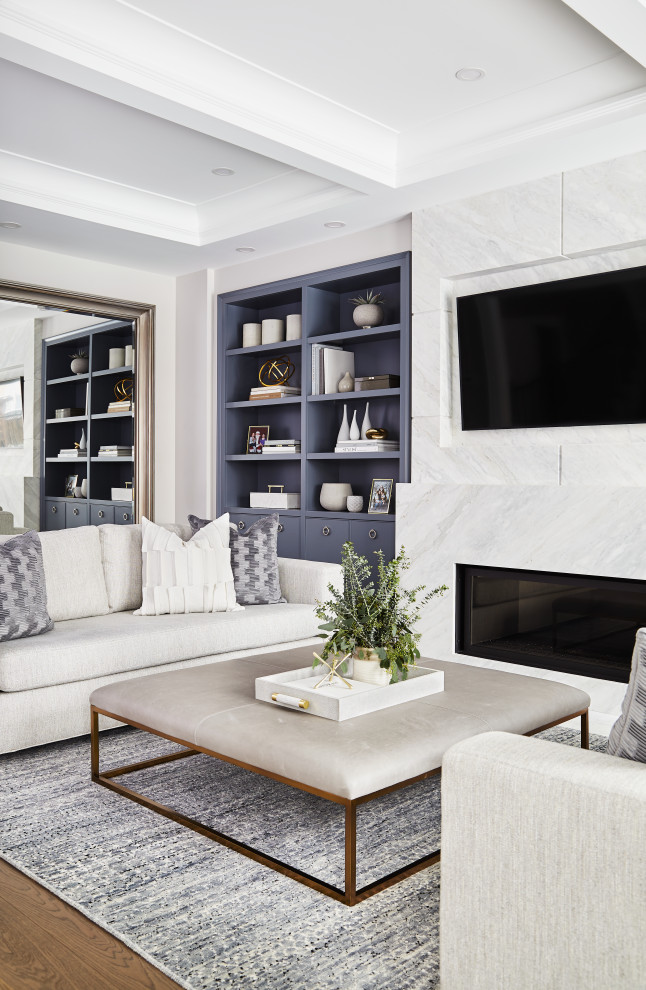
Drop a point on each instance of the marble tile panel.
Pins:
(611, 464)
(513, 226)
(426, 363)
(581, 530)
(487, 465)
(605, 204)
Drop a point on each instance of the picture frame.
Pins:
(257, 436)
(70, 485)
(380, 495)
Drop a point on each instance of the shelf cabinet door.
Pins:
(54, 515)
(124, 515)
(289, 536)
(373, 534)
(324, 539)
(101, 514)
(76, 514)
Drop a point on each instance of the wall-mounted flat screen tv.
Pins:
(11, 409)
(567, 353)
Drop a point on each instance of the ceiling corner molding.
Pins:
(122, 53)
(622, 21)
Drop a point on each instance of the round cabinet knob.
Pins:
(54, 509)
(373, 534)
(76, 512)
(280, 527)
(241, 525)
(101, 513)
(326, 531)
(126, 516)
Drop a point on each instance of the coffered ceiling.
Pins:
(115, 114)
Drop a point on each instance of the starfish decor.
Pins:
(333, 671)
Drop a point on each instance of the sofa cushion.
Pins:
(74, 573)
(109, 644)
(628, 734)
(23, 593)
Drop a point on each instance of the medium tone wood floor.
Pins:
(47, 945)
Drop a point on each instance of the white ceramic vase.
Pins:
(368, 315)
(344, 432)
(273, 331)
(347, 383)
(369, 670)
(355, 433)
(79, 366)
(334, 495)
(355, 503)
(293, 326)
(366, 425)
(82, 441)
(251, 334)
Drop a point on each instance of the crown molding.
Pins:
(422, 161)
(123, 53)
(85, 197)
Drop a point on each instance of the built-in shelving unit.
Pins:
(91, 391)
(323, 300)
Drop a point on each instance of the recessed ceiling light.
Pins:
(469, 75)
(10, 224)
(245, 250)
(221, 170)
(334, 223)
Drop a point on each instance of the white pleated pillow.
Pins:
(186, 577)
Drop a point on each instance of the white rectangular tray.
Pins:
(295, 689)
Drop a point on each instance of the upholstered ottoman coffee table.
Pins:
(212, 709)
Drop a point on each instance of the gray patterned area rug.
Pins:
(207, 916)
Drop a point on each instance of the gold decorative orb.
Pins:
(377, 433)
(123, 389)
(276, 371)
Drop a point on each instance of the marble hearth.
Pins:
(575, 530)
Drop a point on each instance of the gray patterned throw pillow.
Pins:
(23, 595)
(254, 560)
(628, 734)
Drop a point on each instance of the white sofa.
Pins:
(543, 867)
(93, 579)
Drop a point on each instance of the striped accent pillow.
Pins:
(628, 734)
(23, 593)
(180, 577)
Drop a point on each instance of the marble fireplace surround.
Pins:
(562, 499)
(575, 530)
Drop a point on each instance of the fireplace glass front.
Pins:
(566, 622)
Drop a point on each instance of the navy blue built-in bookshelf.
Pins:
(323, 300)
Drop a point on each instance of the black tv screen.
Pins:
(568, 353)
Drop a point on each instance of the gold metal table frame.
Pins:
(349, 895)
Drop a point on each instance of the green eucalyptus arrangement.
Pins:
(377, 617)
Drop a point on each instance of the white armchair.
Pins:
(543, 867)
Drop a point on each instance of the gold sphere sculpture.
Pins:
(276, 371)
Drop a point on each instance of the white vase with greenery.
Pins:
(374, 619)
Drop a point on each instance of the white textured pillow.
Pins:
(186, 577)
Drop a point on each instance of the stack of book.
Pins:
(116, 450)
(329, 365)
(366, 447)
(66, 452)
(273, 392)
(281, 447)
(121, 405)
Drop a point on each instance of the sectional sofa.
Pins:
(93, 579)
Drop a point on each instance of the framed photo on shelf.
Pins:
(257, 437)
(70, 485)
(380, 495)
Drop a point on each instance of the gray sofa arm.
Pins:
(305, 581)
(543, 867)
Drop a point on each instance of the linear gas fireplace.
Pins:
(566, 622)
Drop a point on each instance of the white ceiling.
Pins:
(344, 110)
